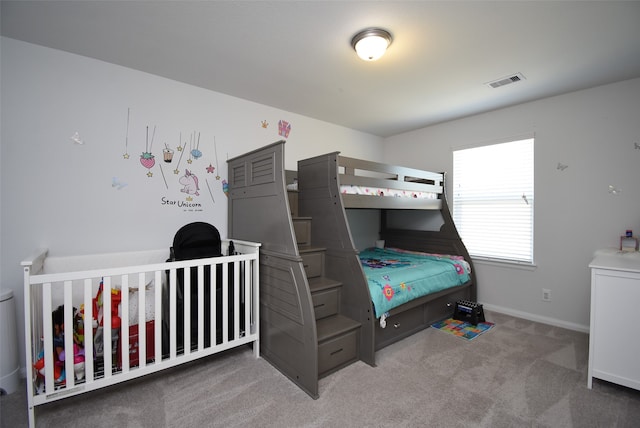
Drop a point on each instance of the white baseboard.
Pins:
(537, 318)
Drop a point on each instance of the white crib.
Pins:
(74, 283)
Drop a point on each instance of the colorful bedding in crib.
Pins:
(398, 276)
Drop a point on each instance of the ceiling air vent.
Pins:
(506, 80)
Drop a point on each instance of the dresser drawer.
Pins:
(337, 352)
(325, 303)
(313, 263)
(302, 229)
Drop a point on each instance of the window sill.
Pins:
(504, 263)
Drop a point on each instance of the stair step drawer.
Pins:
(325, 303)
(337, 352)
(302, 229)
(313, 263)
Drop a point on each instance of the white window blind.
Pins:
(493, 200)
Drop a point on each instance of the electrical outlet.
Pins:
(546, 295)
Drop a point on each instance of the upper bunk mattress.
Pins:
(398, 276)
(350, 189)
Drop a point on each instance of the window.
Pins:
(493, 200)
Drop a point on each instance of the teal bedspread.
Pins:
(398, 276)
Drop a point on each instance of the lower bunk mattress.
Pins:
(397, 276)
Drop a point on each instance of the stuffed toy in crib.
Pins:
(59, 355)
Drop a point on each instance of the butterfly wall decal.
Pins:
(117, 183)
(614, 191)
(76, 138)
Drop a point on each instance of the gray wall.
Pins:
(58, 194)
(594, 133)
(364, 225)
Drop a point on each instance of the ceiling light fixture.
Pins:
(371, 44)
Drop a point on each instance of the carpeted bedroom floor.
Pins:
(520, 373)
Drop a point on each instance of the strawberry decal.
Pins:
(148, 161)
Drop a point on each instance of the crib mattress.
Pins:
(398, 276)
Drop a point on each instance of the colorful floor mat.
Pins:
(463, 329)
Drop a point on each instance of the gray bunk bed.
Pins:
(413, 215)
(317, 314)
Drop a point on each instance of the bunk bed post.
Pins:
(320, 199)
(449, 228)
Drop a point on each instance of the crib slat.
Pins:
(246, 287)
(157, 353)
(106, 327)
(200, 307)
(88, 330)
(225, 305)
(255, 305)
(236, 300)
(213, 297)
(48, 338)
(142, 330)
(123, 350)
(172, 314)
(68, 336)
(186, 333)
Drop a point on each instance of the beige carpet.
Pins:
(519, 374)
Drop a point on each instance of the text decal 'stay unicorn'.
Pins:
(190, 183)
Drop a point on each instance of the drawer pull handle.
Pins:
(305, 266)
(318, 306)
(335, 352)
(396, 325)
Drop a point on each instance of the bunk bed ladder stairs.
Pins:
(338, 335)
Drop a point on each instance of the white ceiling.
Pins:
(296, 55)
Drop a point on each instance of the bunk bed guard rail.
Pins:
(401, 187)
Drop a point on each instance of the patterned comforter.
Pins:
(397, 276)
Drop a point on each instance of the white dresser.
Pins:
(614, 342)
